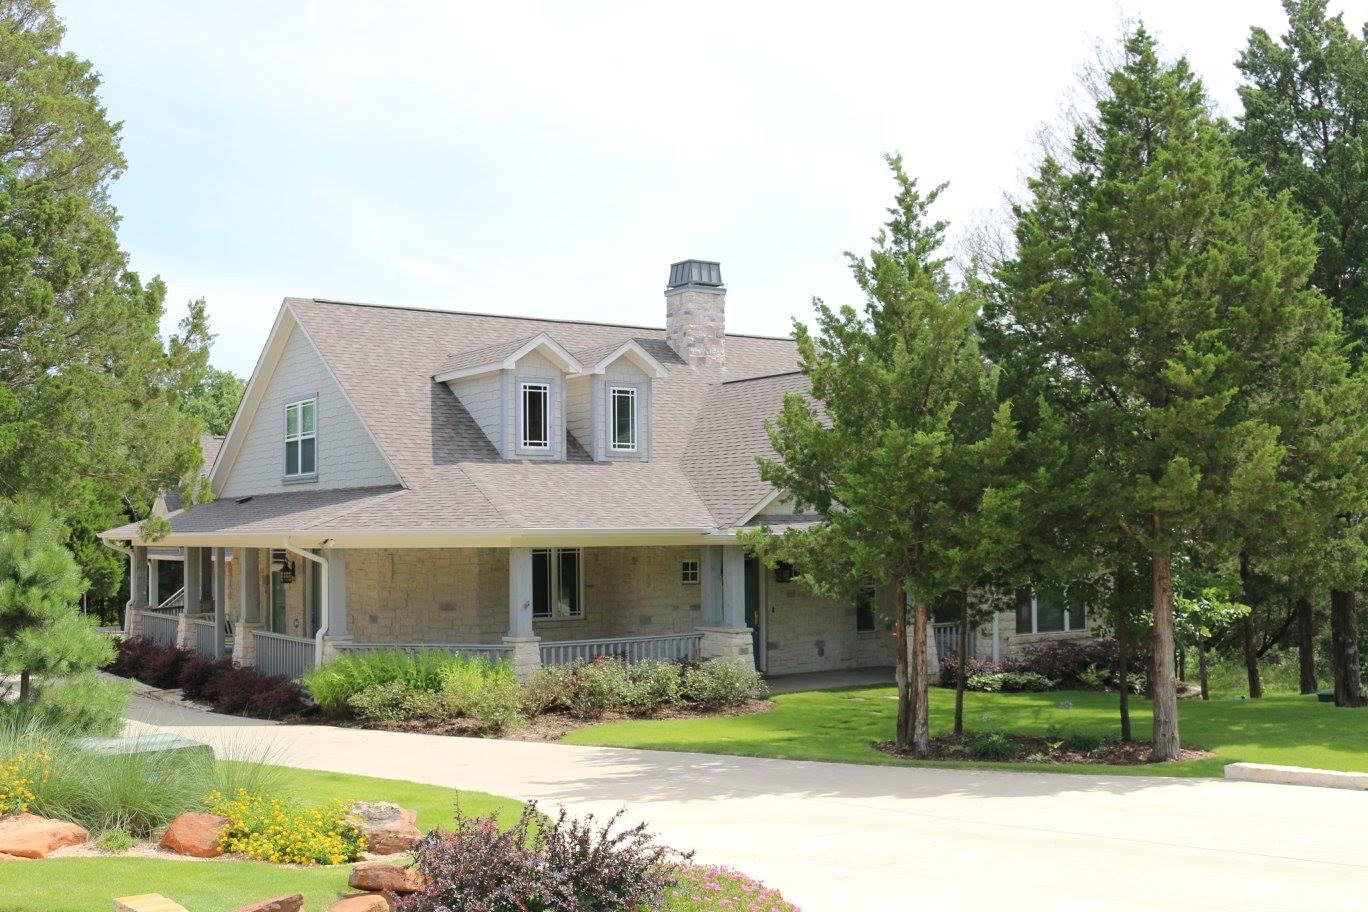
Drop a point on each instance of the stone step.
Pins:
(147, 902)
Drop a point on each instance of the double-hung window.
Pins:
(536, 416)
(1048, 611)
(622, 401)
(557, 584)
(301, 439)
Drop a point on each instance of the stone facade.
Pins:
(695, 323)
(804, 632)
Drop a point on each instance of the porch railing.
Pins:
(206, 631)
(677, 647)
(947, 640)
(174, 603)
(279, 654)
(160, 627)
(491, 650)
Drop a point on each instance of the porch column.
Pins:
(204, 601)
(153, 582)
(137, 591)
(710, 584)
(524, 645)
(725, 634)
(249, 607)
(193, 577)
(220, 599)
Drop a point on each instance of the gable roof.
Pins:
(503, 356)
(706, 429)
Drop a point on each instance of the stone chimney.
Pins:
(695, 312)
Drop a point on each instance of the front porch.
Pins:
(284, 610)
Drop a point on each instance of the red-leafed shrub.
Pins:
(229, 688)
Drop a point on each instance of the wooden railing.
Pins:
(491, 650)
(161, 627)
(206, 632)
(677, 647)
(279, 654)
(947, 640)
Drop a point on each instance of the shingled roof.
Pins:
(707, 429)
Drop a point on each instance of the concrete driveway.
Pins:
(842, 837)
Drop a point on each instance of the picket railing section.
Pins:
(279, 654)
(947, 640)
(175, 602)
(161, 627)
(205, 634)
(677, 647)
(491, 650)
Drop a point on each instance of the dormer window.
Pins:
(301, 439)
(535, 399)
(623, 420)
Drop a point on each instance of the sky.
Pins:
(553, 159)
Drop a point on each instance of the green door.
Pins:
(753, 619)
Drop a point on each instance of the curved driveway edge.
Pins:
(844, 837)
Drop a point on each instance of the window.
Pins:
(688, 572)
(301, 438)
(1048, 611)
(623, 406)
(864, 610)
(536, 416)
(557, 590)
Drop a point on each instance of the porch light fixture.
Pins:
(784, 573)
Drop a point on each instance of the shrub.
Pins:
(548, 689)
(20, 773)
(949, 668)
(539, 864)
(596, 688)
(334, 684)
(115, 840)
(654, 685)
(1009, 682)
(271, 829)
(199, 677)
(720, 683)
(496, 706)
(388, 702)
(162, 665)
(990, 745)
(717, 887)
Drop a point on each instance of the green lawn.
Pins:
(838, 725)
(85, 884)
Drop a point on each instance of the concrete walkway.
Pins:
(841, 837)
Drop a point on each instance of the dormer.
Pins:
(516, 392)
(608, 405)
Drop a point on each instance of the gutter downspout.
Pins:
(324, 617)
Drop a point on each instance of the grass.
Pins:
(839, 726)
(82, 884)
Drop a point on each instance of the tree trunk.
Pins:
(961, 674)
(1251, 653)
(24, 686)
(903, 738)
(1123, 671)
(1165, 687)
(1202, 668)
(1306, 645)
(921, 695)
(1345, 657)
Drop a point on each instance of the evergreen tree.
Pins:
(1156, 287)
(41, 631)
(901, 444)
(1305, 121)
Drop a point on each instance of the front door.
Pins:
(277, 602)
(754, 617)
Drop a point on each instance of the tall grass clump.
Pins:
(84, 704)
(335, 684)
(137, 792)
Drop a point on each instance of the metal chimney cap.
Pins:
(696, 272)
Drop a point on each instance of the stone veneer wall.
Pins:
(805, 632)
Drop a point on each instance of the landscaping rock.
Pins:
(195, 833)
(292, 903)
(31, 836)
(377, 877)
(147, 902)
(361, 902)
(388, 827)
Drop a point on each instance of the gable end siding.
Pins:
(347, 456)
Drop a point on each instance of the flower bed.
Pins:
(226, 687)
(1000, 747)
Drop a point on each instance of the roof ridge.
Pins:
(499, 316)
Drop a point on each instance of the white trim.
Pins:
(559, 356)
(633, 351)
(754, 511)
(635, 396)
(553, 567)
(299, 437)
(523, 445)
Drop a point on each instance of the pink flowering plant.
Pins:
(710, 888)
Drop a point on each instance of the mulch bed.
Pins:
(1039, 750)
(548, 726)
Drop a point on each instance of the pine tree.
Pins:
(1156, 287)
(901, 444)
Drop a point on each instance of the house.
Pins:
(541, 490)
